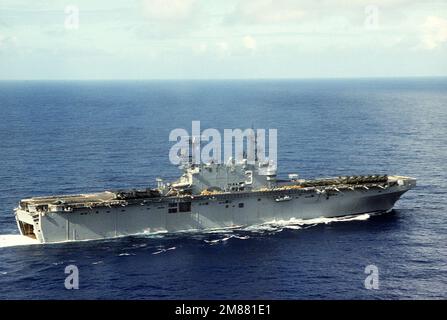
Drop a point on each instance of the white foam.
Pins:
(149, 232)
(360, 217)
(296, 224)
(125, 254)
(217, 240)
(292, 227)
(213, 241)
(13, 240)
(226, 239)
(320, 220)
(265, 227)
(164, 250)
(241, 237)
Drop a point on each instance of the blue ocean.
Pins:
(64, 137)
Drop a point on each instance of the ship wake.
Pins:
(276, 226)
(294, 223)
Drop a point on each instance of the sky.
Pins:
(221, 39)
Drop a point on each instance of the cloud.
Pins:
(7, 41)
(168, 9)
(200, 48)
(266, 12)
(276, 12)
(223, 46)
(168, 19)
(434, 32)
(223, 49)
(223, 38)
(249, 43)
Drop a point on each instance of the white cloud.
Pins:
(7, 41)
(250, 43)
(277, 12)
(222, 46)
(267, 11)
(201, 48)
(223, 49)
(434, 32)
(224, 37)
(168, 9)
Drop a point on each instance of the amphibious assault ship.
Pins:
(207, 196)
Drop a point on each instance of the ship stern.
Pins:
(28, 224)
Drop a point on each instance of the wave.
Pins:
(227, 238)
(276, 226)
(164, 250)
(296, 224)
(315, 221)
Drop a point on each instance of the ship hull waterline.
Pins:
(219, 211)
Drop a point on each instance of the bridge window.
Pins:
(241, 205)
(184, 206)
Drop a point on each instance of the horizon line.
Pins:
(229, 79)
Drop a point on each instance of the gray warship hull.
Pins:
(104, 215)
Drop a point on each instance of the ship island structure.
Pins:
(207, 196)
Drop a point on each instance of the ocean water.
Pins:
(72, 137)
